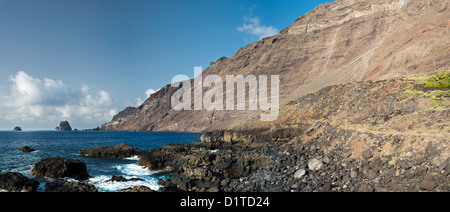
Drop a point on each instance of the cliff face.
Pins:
(338, 42)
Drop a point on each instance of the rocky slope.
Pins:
(389, 135)
(338, 42)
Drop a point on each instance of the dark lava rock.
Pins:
(13, 181)
(61, 168)
(66, 186)
(18, 129)
(119, 151)
(27, 149)
(64, 126)
(192, 170)
(138, 189)
(163, 158)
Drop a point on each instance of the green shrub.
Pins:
(441, 80)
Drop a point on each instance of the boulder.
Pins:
(367, 154)
(13, 181)
(66, 186)
(64, 126)
(119, 151)
(428, 183)
(61, 168)
(27, 149)
(299, 174)
(315, 164)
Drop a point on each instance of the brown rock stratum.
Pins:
(338, 42)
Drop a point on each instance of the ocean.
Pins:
(67, 144)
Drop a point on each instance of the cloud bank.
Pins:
(46, 102)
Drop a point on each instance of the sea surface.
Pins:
(67, 144)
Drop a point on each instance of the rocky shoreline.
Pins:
(286, 167)
(225, 162)
(69, 175)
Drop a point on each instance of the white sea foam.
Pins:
(102, 186)
(134, 170)
(129, 171)
(132, 158)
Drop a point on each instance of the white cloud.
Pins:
(46, 102)
(253, 26)
(149, 92)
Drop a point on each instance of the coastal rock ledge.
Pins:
(119, 151)
(61, 168)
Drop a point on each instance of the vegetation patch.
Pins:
(441, 80)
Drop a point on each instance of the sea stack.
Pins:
(18, 129)
(64, 126)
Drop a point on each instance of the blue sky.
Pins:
(85, 60)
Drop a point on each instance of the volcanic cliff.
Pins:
(338, 42)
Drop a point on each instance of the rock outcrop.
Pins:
(17, 129)
(27, 149)
(64, 126)
(13, 181)
(203, 170)
(61, 168)
(119, 151)
(337, 42)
